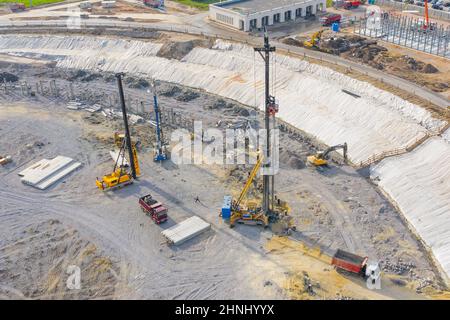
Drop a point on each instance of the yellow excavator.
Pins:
(121, 175)
(313, 42)
(320, 159)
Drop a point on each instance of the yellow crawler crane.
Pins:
(122, 176)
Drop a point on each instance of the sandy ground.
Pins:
(338, 208)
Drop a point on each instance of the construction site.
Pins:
(167, 156)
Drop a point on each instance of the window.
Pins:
(265, 21)
(298, 12)
(287, 15)
(276, 17)
(253, 23)
(225, 19)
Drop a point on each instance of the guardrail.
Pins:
(396, 152)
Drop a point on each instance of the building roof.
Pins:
(254, 6)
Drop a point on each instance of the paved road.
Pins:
(197, 24)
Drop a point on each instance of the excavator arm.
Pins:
(334, 148)
(320, 159)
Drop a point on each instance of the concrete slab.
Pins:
(58, 175)
(46, 172)
(185, 230)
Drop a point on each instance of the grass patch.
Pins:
(27, 2)
(199, 4)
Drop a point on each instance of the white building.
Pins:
(247, 15)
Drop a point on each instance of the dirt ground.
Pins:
(121, 252)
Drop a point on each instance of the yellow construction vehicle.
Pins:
(313, 42)
(320, 158)
(250, 214)
(122, 176)
(119, 138)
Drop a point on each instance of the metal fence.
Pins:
(408, 32)
(433, 13)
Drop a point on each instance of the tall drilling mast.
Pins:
(270, 110)
(125, 121)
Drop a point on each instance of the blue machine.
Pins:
(160, 152)
(226, 207)
(335, 27)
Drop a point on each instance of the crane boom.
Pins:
(125, 121)
(250, 179)
(160, 153)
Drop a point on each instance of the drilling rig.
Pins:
(270, 210)
(160, 152)
(122, 176)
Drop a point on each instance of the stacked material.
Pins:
(93, 108)
(46, 172)
(185, 230)
(132, 118)
(74, 105)
(419, 183)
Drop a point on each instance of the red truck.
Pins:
(153, 208)
(329, 19)
(351, 4)
(350, 262)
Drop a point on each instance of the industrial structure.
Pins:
(248, 15)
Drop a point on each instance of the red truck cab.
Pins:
(153, 208)
(350, 262)
(351, 4)
(329, 19)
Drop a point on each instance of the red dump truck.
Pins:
(350, 262)
(329, 19)
(351, 4)
(153, 208)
